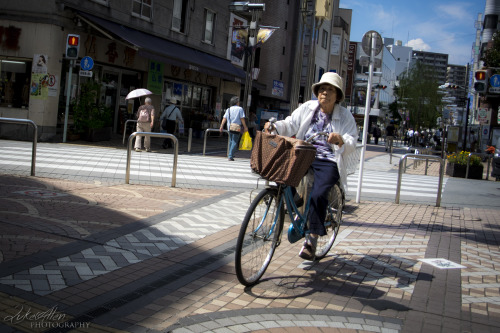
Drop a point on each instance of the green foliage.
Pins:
(491, 56)
(462, 157)
(419, 92)
(393, 108)
(87, 112)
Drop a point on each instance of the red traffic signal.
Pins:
(480, 75)
(73, 40)
(72, 46)
(481, 81)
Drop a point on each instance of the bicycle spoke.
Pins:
(332, 222)
(258, 237)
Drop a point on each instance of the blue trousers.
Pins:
(326, 174)
(234, 140)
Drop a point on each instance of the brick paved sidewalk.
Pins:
(372, 280)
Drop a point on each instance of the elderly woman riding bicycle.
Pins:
(322, 115)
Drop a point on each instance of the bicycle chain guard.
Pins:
(293, 235)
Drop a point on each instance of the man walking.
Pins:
(389, 135)
(235, 118)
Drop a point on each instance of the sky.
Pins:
(441, 26)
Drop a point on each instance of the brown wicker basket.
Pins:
(281, 159)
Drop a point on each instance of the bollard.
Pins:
(153, 135)
(35, 137)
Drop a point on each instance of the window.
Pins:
(324, 39)
(321, 72)
(15, 86)
(142, 8)
(179, 15)
(208, 34)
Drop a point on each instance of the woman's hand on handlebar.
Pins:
(268, 127)
(336, 139)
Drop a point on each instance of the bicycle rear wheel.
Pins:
(259, 236)
(332, 222)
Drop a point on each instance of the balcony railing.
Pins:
(339, 22)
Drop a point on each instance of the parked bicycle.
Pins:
(262, 228)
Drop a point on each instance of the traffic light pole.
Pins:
(68, 95)
(466, 125)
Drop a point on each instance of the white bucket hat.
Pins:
(333, 79)
(173, 101)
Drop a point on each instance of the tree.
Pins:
(491, 56)
(419, 92)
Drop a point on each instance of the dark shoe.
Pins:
(230, 159)
(307, 252)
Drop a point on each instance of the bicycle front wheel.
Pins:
(332, 222)
(259, 235)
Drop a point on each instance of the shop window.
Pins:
(179, 15)
(142, 8)
(15, 82)
(208, 34)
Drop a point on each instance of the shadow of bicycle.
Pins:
(363, 278)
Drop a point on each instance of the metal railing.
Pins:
(214, 130)
(426, 157)
(125, 127)
(35, 137)
(152, 135)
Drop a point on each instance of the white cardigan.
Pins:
(342, 122)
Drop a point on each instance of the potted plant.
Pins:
(91, 119)
(457, 165)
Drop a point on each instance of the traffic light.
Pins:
(72, 46)
(481, 81)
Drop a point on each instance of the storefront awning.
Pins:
(159, 49)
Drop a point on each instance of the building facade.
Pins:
(177, 49)
(436, 62)
(189, 50)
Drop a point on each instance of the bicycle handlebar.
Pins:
(314, 136)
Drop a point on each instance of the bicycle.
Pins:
(262, 228)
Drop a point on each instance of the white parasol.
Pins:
(138, 93)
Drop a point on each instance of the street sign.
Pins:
(87, 63)
(494, 84)
(86, 73)
(494, 90)
(495, 81)
(366, 42)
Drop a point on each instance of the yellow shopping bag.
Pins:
(246, 142)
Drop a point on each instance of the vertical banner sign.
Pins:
(237, 43)
(155, 77)
(351, 66)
